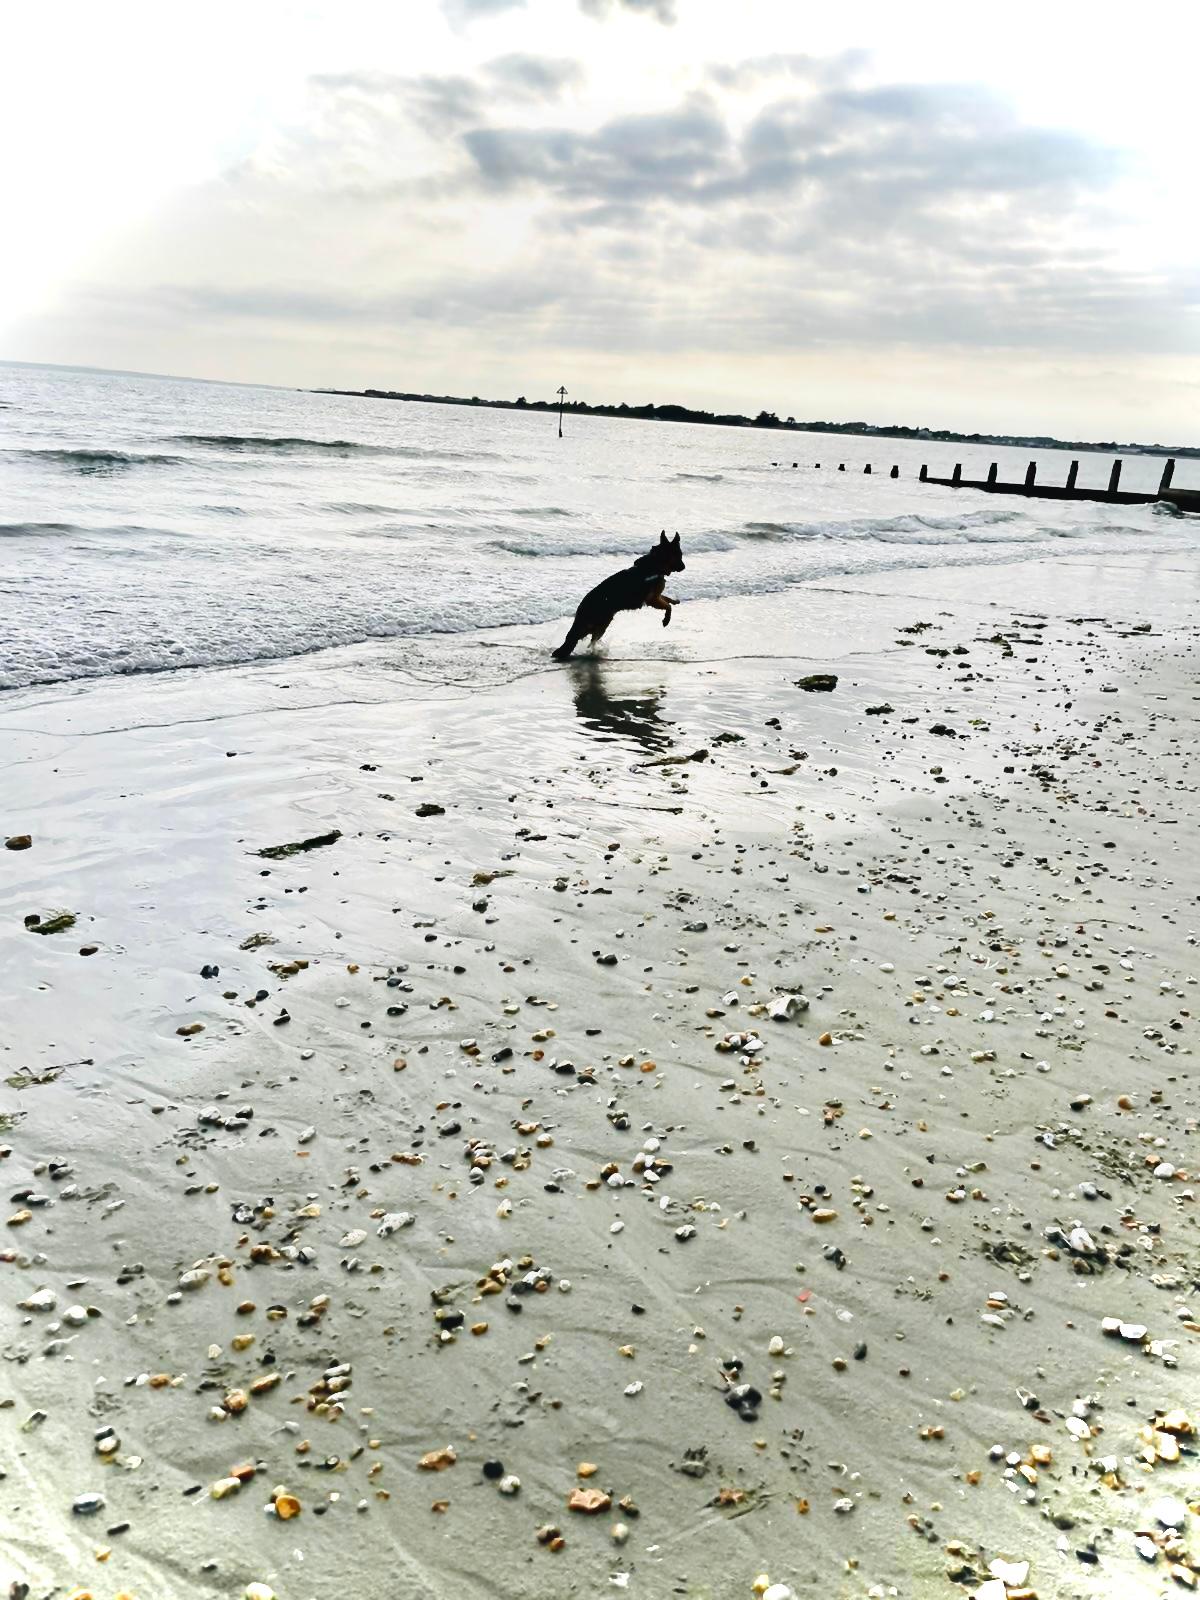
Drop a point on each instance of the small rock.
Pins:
(394, 1221)
(786, 1006)
(588, 1500)
(40, 1300)
(1011, 1573)
(1169, 1512)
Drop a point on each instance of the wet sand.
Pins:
(488, 1108)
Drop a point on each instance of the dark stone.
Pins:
(277, 852)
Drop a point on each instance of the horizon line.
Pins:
(286, 388)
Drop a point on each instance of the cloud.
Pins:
(653, 155)
(921, 146)
(464, 11)
(754, 70)
(788, 206)
(434, 102)
(461, 12)
(661, 10)
(535, 77)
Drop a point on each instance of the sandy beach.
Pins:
(491, 1166)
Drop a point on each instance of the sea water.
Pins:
(149, 524)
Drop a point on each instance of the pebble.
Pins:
(589, 1501)
(87, 1505)
(1169, 1513)
(1011, 1573)
(393, 1222)
(786, 1006)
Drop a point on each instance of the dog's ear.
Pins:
(662, 538)
(675, 541)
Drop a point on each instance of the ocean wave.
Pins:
(698, 477)
(267, 444)
(980, 527)
(356, 508)
(35, 530)
(603, 545)
(77, 530)
(95, 460)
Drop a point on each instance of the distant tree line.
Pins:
(769, 419)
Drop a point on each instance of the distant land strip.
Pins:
(768, 419)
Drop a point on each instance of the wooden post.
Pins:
(923, 475)
(1030, 474)
(1114, 476)
(1168, 474)
(841, 466)
(895, 472)
(991, 477)
(867, 468)
(1072, 474)
(562, 395)
(956, 475)
(817, 466)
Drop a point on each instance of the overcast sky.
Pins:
(955, 215)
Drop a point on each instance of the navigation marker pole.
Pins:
(562, 395)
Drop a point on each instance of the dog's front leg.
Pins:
(666, 605)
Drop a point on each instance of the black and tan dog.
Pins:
(642, 584)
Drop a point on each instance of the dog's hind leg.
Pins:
(563, 653)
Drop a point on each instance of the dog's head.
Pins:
(668, 557)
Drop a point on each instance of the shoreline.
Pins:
(946, 902)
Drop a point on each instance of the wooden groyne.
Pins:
(1031, 488)
(1113, 495)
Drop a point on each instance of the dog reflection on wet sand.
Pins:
(636, 718)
